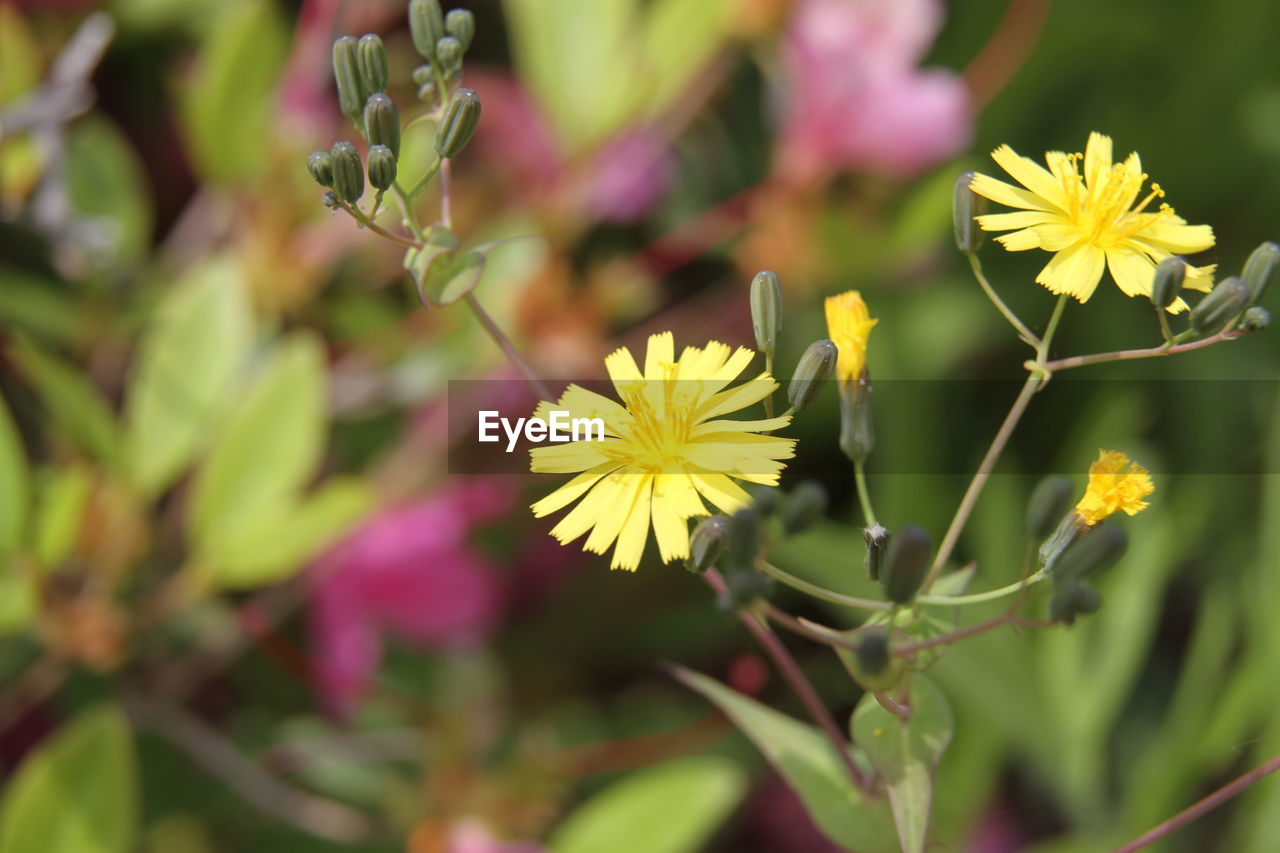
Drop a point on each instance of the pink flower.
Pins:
(854, 98)
(408, 571)
(472, 837)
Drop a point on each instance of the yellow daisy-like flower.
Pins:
(1091, 220)
(665, 449)
(1116, 484)
(849, 326)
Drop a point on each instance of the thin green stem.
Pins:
(979, 597)
(406, 212)
(820, 592)
(423, 181)
(768, 401)
(1165, 331)
(365, 222)
(446, 196)
(864, 496)
(1133, 354)
(508, 348)
(1021, 327)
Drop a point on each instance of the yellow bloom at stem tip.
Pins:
(849, 326)
(666, 449)
(1116, 484)
(1091, 221)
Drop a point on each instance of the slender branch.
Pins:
(1131, 354)
(902, 712)
(820, 592)
(1023, 332)
(768, 401)
(405, 203)
(422, 182)
(978, 597)
(1008, 618)
(311, 814)
(365, 222)
(1209, 803)
(513, 355)
(800, 627)
(446, 195)
(864, 496)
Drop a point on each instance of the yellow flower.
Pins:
(664, 449)
(1116, 484)
(849, 326)
(1090, 221)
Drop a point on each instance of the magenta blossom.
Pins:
(410, 572)
(854, 98)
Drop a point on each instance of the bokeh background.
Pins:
(240, 584)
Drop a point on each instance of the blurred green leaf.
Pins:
(59, 513)
(35, 304)
(680, 39)
(451, 276)
(74, 403)
(184, 373)
(673, 807)
(808, 762)
(20, 58)
(907, 754)
(76, 792)
(14, 484)
(105, 182)
(230, 100)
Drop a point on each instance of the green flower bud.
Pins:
(382, 122)
(372, 62)
(1223, 304)
(906, 564)
(742, 541)
(348, 175)
(449, 52)
(346, 76)
(965, 205)
(1072, 600)
(766, 311)
(1096, 549)
(382, 167)
(1050, 500)
(706, 543)
(1067, 531)
(804, 507)
(857, 432)
(426, 25)
(765, 499)
(424, 74)
(459, 123)
(320, 165)
(1170, 274)
(1255, 319)
(877, 539)
(1261, 270)
(814, 369)
(872, 663)
(461, 24)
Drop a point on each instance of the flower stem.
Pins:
(1132, 354)
(406, 211)
(422, 182)
(446, 197)
(820, 592)
(513, 355)
(1021, 327)
(990, 595)
(365, 222)
(864, 497)
(768, 401)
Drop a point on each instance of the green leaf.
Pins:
(77, 792)
(673, 807)
(74, 403)
(106, 183)
(281, 540)
(229, 105)
(36, 304)
(450, 276)
(809, 764)
(906, 754)
(15, 479)
(63, 495)
(268, 449)
(184, 374)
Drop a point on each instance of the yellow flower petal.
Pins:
(630, 546)
(1075, 271)
(1031, 175)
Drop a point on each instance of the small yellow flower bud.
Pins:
(812, 372)
(849, 325)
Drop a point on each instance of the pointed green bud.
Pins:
(872, 663)
(766, 311)
(459, 123)
(1222, 305)
(1096, 549)
(804, 507)
(382, 167)
(449, 53)
(906, 564)
(877, 539)
(348, 173)
(742, 541)
(426, 25)
(965, 205)
(706, 543)
(424, 74)
(320, 165)
(812, 372)
(1067, 531)
(1049, 501)
(382, 122)
(1255, 319)
(346, 76)
(461, 24)
(1170, 273)
(1261, 270)
(1072, 600)
(857, 431)
(372, 62)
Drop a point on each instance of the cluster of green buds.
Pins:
(442, 40)
(1234, 302)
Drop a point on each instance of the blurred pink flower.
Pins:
(854, 98)
(620, 181)
(471, 837)
(408, 571)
